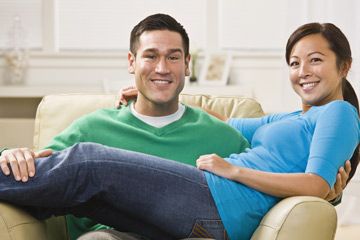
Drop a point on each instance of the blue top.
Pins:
(318, 141)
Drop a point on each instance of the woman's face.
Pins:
(314, 74)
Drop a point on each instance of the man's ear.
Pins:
(187, 65)
(131, 62)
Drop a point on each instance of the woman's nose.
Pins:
(304, 71)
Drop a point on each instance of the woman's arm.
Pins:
(283, 184)
(335, 194)
(275, 184)
(126, 94)
(332, 142)
(215, 114)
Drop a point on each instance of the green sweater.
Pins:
(194, 134)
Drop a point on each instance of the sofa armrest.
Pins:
(298, 218)
(16, 224)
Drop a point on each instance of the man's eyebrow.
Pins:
(176, 50)
(150, 50)
(172, 50)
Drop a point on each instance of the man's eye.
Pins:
(150, 56)
(174, 58)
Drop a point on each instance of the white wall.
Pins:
(256, 35)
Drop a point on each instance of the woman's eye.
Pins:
(294, 64)
(314, 60)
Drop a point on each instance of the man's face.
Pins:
(160, 68)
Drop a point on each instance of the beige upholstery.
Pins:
(298, 218)
(293, 218)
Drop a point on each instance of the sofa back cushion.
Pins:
(56, 112)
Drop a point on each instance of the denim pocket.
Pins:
(213, 229)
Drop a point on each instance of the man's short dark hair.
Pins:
(158, 21)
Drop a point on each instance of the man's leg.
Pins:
(107, 215)
(170, 196)
(110, 234)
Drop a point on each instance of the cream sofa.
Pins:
(349, 211)
(295, 218)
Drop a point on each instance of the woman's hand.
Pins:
(217, 165)
(340, 184)
(126, 94)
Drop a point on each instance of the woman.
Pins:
(291, 154)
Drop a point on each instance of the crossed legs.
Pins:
(168, 197)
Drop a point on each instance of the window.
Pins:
(91, 24)
(22, 18)
(256, 23)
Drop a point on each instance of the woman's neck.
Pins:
(305, 107)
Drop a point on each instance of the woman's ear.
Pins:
(345, 67)
(131, 63)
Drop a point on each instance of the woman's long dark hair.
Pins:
(339, 44)
(350, 96)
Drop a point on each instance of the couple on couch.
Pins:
(268, 158)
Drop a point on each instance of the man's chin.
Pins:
(164, 100)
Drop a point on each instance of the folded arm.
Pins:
(275, 184)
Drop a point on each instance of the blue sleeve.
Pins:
(336, 135)
(248, 126)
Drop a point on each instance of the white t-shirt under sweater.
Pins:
(159, 122)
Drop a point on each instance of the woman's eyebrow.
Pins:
(316, 52)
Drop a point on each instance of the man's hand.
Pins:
(126, 94)
(21, 161)
(340, 184)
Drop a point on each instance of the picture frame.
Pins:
(216, 68)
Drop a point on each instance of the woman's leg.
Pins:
(170, 196)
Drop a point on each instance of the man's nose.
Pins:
(162, 66)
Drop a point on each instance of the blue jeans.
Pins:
(154, 197)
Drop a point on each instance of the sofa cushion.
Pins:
(56, 112)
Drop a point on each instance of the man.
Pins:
(155, 124)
